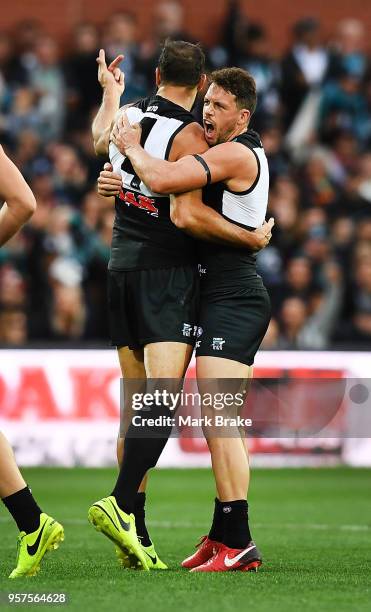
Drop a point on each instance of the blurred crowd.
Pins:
(314, 119)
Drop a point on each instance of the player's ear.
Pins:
(202, 82)
(245, 116)
(158, 77)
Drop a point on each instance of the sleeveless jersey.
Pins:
(246, 209)
(143, 234)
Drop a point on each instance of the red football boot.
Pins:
(231, 559)
(206, 549)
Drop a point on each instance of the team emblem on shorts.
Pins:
(217, 344)
(187, 330)
(198, 331)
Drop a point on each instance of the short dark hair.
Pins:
(239, 83)
(181, 63)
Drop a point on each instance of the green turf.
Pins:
(313, 527)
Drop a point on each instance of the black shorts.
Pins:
(233, 319)
(156, 305)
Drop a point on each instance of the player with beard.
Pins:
(152, 277)
(39, 532)
(234, 307)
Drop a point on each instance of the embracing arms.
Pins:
(225, 161)
(190, 214)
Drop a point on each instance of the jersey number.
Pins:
(147, 124)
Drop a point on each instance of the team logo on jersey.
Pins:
(187, 330)
(140, 201)
(217, 344)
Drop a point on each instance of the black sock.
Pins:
(236, 524)
(140, 519)
(24, 510)
(140, 454)
(217, 528)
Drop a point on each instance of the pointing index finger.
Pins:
(116, 62)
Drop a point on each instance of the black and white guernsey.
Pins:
(246, 209)
(143, 235)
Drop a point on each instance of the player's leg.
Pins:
(132, 368)
(167, 301)
(139, 455)
(38, 531)
(133, 372)
(229, 455)
(167, 359)
(231, 471)
(166, 364)
(161, 307)
(11, 479)
(105, 515)
(234, 320)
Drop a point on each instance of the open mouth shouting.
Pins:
(210, 131)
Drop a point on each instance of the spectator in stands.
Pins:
(348, 49)
(272, 139)
(344, 106)
(84, 92)
(304, 67)
(13, 327)
(310, 325)
(68, 313)
(254, 56)
(48, 84)
(70, 174)
(120, 37)
(357, 324)
(167, 22)
(317, 186)
(25, 36)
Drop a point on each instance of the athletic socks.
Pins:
(236, 524)
(217, 528)
(140, 523)
(24, 510)
(140, 454)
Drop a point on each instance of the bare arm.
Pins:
(20, 202)
(190, 214)
(112, 81)
(186, 174)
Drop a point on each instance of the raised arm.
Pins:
(190, 214)
(112, 81)
(188, 173)
(20, 202)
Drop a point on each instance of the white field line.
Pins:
(192, 525)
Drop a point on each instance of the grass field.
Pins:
(313, 527)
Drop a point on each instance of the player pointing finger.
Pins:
(111, 75)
